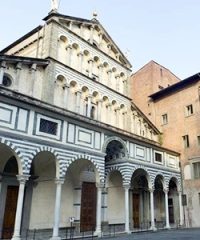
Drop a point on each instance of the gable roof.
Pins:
(93, 21)
(176, 87)
(152, 62)
(21, 39)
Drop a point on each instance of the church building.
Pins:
(74, 147)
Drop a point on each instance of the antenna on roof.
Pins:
(55, 5)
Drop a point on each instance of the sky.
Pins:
(166, 31)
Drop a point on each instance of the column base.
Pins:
(55, 238)
(127, 231)
(98, 233)
(167, 227)
(153, 228)
(16, 238)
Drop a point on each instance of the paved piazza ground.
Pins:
(182, 234)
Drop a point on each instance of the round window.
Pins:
(7, 81)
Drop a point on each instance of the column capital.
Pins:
(117, 108)
(69, 46)
(108, 104)
(89, 96)
(78, 92)
(165, 190)
(80, 54)
(3, 64)
(100, 185)
(151, 190)
(59, 181)
(23, 178)
(91, 60)
(19, 66)
(109, 71)
(100, 100)
(126, 186)
(100, 65)
(34, 67)
(100, 34)
(66, 85)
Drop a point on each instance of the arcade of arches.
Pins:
(82, 195)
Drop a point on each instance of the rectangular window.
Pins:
(189, 110)
(199, 197)
(158, 157)
(184, 200)
(164, 119)
(186, 141)
(47, 126)
(198, 140)
(196, 170)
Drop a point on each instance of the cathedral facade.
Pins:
(74, 146)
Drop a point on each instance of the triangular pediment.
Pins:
(101, 38)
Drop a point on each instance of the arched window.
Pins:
(7, 81)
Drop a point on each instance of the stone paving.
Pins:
(180, 234)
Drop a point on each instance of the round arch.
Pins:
(15, 152)
(109, 140)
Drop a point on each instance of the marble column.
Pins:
(59, 183)
(2, 70)
(109, 72)
(90, 61)
(117, 116)
(152, 209)
(69, 55)
(80, 65)
(126, 200)
(125, 87)
(18, 217)
(89, 102)
(100, 67)
(109, 48)
(109, 113)
(66, 95)
(18, 74)
(99, 205)
(33, 78)
(100, 102)
(100, 39)
(117, 78)
(166, 209)
(78, 100)
(181, 208)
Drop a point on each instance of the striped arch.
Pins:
(51, 150)
(110, 139)
(126, 175)
(177, 181)
(163, 180)
(150, 177)
(19, 156)
(64, 165)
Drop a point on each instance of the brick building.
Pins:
(174, 107)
